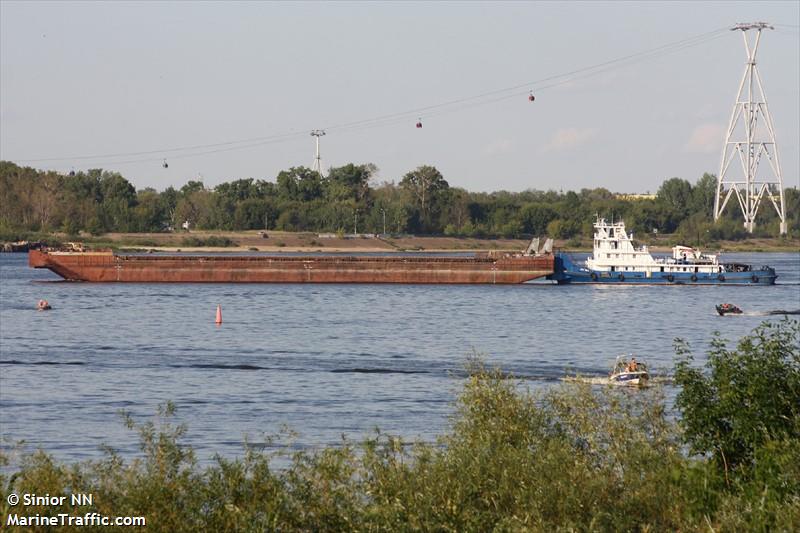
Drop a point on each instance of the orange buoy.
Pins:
(219, 315)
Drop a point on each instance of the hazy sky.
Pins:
(121, 79)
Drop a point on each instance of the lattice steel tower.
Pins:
(750, 143)
(317, 160)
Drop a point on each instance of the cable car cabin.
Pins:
(165, 164)
(419, 123)
(531, 98)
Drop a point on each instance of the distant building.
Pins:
(635, 197)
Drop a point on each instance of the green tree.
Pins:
(195, 208)
(703, 194)
(535, 218)
(350, 182)
(563, 229)
(675, 195)
(253, 213)
(428, 190)
(747, 398)
(150, 213)
(695, 229)
(118, 200)
(191, 187)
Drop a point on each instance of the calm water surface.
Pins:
(322, 359)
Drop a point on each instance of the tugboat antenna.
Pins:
(750, 108)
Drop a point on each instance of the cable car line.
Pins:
(431, 110)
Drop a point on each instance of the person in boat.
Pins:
(632, 365)
(43, 305)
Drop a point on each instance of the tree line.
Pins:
(347, 199)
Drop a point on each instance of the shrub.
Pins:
(749, 397)
(574, 458)
(214, 241)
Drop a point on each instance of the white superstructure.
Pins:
(614, 252)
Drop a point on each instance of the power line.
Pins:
(450, 106)
(528, 85)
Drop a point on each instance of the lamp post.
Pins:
(355, 222)
(384, 220)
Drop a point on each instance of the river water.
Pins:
(323, 360)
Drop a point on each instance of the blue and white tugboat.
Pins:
(616, 260)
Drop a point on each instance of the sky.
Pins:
(226, 91)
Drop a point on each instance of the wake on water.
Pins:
(767, 313)
(603, 380)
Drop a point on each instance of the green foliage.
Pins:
(427, 191)
(675, 195)
(212, 241)
(574, 458)
(563, 229)
(747, 399)
(299, 199)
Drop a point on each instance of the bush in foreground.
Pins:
(575, 458)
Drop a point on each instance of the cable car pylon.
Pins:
(317, 160)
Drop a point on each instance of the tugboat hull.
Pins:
(615, 260)
(567, 272)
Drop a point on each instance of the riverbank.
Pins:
(283, 241)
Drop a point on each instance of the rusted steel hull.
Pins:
(107, 267)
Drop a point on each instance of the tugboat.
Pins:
(616, 260)
(728, 309)
(633, 372)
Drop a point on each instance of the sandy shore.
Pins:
(282, 241)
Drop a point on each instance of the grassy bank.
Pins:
(576, 458)
(299, 241)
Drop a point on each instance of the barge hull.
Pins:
(108, 267)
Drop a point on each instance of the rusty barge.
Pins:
(107, 266)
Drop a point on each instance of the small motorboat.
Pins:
(628, 372)
(728, 309)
